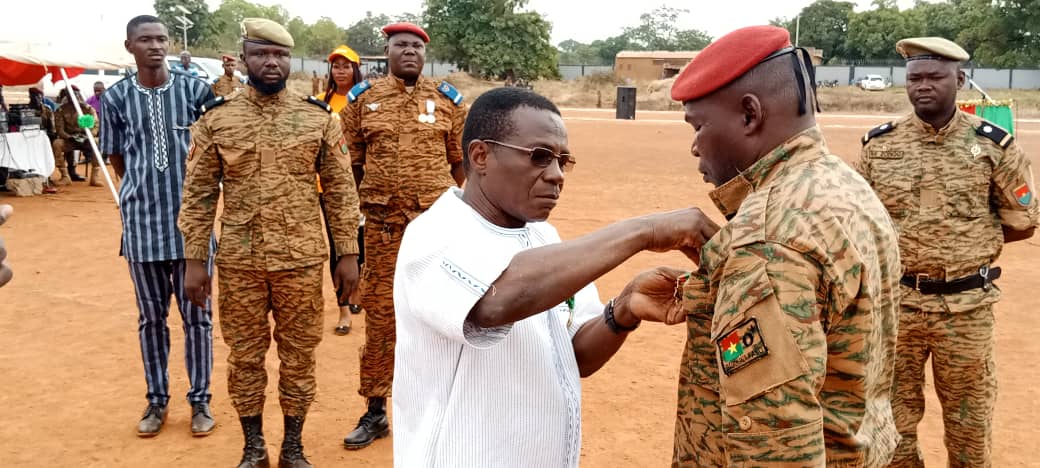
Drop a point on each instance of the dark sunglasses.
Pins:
(541, 157)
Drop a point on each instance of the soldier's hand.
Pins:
(5, 270)
(197, 283)
(345, 278)
(653, 296)
(685, 230)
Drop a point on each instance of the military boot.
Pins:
(254, 454)
(95, 175)
(292, 445)
(373, 425)
(64, 180)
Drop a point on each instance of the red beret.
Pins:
(402, 27)
(228, 58)
(727, 59)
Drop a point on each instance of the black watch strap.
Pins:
(608, 316)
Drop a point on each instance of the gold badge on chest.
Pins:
(976, 150)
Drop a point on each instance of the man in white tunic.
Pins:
(497, 319)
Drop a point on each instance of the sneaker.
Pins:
(152, 421)
(202, 422)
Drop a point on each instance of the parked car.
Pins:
(206, 69)
(875, 83)
(84, 81)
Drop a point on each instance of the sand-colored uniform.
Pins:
(265, 150)
(225, 85)
(407, 164)
(792, 320)
(949, 192)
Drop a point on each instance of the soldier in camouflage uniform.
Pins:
(405, 134)
(791, 315)
(227, 83)
(958, 188)
(71, 137)
(265, 144)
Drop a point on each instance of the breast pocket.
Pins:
(967, 197)
(301, 153)
(897, 194)
(238, 158)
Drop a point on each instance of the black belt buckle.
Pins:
(984, 273)
(917, 280)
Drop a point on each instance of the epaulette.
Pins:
(999, 136)
(358, 90)
(878, 131)
(210, 104)
(318, 102)
(448, 90)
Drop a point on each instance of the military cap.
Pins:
(265, 31)
(727, 59)
(407, 27)
(931, 48)
(228, 58)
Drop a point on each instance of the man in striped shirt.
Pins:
(144, 132)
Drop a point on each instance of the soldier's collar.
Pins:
(939, 134)
(806, 145)
(400, 82)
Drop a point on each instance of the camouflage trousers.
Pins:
(294, 299)
(382, 241)
(961, 348)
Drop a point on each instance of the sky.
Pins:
(102, 21)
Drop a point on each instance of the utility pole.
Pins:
(185, 25)
(797, 28)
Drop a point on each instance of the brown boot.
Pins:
(96, 180)
(64, 180)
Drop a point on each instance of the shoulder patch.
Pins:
(209, 105)
(448, 90)
(999, 136)
(319, 103)
(878, 131)
(741, 346)
(358, 90)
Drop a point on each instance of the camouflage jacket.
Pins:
(66, 121)
(264, 150)
(407, 162)
(792, 320)
(949, 191)
(226, 85)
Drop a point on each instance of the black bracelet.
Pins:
(608, 316)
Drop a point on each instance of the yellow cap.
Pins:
(266, 31)
(345, 52)
(931, 48)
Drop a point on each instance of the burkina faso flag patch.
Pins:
(741, 346)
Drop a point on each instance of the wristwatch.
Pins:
(608, 316)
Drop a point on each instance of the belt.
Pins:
(920, 282)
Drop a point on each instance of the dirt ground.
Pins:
(72, 389)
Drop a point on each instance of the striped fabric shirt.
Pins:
(149, 127)
(466, 396)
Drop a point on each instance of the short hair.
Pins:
(139, 20)
(102, 83)
(491, 115)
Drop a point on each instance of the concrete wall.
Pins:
(571, 72)
(1025, 79)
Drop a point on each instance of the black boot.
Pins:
(254, 454)
(70, 160)
(292, 445)
(373, 425)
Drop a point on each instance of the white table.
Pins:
(28, 151)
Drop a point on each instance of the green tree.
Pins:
(608, 48)
(491, 37)
(325, 36)
(576, 53)
(167, 11)
(657, 30)
(1005, 35)
(366, 35)
(824, 25)
(873, 34)
(224, 25)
